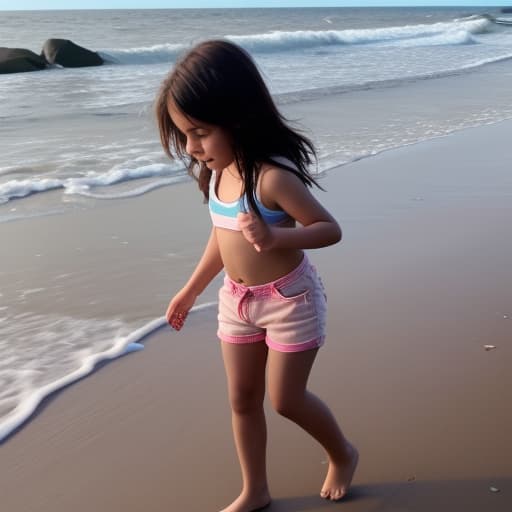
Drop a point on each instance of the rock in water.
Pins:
(19, 60)
(69, 55)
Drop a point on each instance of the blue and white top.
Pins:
(224, 215)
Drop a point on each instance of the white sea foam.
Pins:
(455, 32)
(13, 189)
(114, 176)
(143, 55)
(453, 37)
(49, 353)
(134, 192)
(280, 40)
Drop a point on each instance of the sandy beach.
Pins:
(419, 285)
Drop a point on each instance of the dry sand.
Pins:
(421, 282)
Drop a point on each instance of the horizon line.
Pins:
(254, 7)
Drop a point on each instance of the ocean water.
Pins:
(90, 131)
(70, 134)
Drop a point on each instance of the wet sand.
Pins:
(421, 282)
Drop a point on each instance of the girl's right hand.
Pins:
(179, 307)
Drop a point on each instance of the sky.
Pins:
(163, 4)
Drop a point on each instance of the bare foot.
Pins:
(247, 503)
(339, 476)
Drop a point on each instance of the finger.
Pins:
(178, 320)
(177, 326)
(257, 247)
(245, 218)
(169, 314)
(174, 316)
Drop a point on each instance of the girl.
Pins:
(215, 111)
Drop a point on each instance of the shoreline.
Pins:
(153, 325)
(368, 121)
(420, 283)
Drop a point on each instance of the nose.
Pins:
(192, 147)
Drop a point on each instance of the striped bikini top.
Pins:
(224, 214)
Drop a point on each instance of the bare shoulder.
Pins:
(282, 189)
(272, 176)
(274, 181)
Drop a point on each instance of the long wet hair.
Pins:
(218, 83)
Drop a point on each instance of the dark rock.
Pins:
(19, 60)
(506, 10)
(69, 55)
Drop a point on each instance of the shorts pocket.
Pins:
(295, 291)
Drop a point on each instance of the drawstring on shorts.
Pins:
(246, 293)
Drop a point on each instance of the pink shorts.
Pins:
(289, 313)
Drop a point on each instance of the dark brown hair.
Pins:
(218, 83)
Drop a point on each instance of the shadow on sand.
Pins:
(416, 496)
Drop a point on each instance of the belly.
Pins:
(244, 264)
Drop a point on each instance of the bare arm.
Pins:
(282, 189)
(207, 268)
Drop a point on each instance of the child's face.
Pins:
(207, 143)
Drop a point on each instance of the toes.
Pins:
(324, 494)
(336, 495)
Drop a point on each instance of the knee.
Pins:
(246, 400)
(285, 405)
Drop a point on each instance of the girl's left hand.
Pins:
(255, 231)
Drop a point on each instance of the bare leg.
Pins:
(287, 379)
(245, 370)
